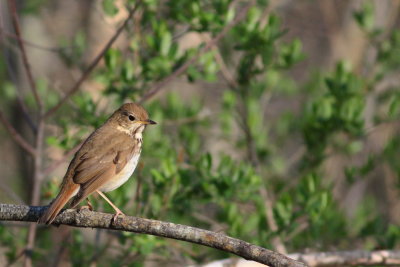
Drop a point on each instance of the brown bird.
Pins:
(105, 161)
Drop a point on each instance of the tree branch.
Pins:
(13, 10)
(37, 179)
(29, 43)
(86, 218)
(64, 158)
(352, 258)
(84, 76)
(325, 259)
(16, 136)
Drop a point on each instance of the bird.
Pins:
(105, 161)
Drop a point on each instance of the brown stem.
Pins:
(97, 59)
(13, 11)
(266, 195)
(269, 214)
(36, 185)
(37, 151)
(86, 218)
(57, 163)
(16, 136)
(29, 43)
(208, 45)
(25, 113)
(10, 193)
(21, 103)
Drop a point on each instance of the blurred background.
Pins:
(277, 122)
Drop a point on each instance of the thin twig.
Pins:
(20, 101)
(276, 240)
(16, 136)
(37, 155)
(208, 45)
(36, 185)
(19, 255)
(87, 218)
(31, 44)
(13, 11)
(226, 74)
(25, 113)
(97, 59)
(266, 195)
(8, 191)
(57, 163)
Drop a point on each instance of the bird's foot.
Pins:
(85, 207)
(118, 213)
(90, 206)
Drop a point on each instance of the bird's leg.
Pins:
(118, 211)
(89, 205)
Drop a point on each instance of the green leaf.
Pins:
(109, 7)
(166, 42)
(52, 141)
(112, 58)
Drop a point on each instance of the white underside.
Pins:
(123, 176)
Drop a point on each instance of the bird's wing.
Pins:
(99, 162)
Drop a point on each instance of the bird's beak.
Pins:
(148, 122)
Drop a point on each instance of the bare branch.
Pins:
(29, 43)
(86, 218)
(36, 184)
(350, 258)
(269, 214)
(325, 259)
(20, 101)
(97, 59)
(16, 136)
(57, 163)
(13, 11)
(208, 45)
(8, 191)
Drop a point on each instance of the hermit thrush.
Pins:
(105, 161)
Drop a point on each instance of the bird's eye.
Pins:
(131, 118)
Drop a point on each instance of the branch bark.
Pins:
(86, 218)
(328, 259)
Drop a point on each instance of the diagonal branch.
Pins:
(210, 44)
(86, 218)
(96, 61)
(57, 163)
(16, 136)
(13, 10)
(29, 43)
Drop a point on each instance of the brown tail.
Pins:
(58, 203)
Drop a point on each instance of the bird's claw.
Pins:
(118, 213)
(85, 207)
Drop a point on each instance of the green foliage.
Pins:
(365, 16)
(340, 109)
(11, 241)
(202, 16)
(109, 8)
